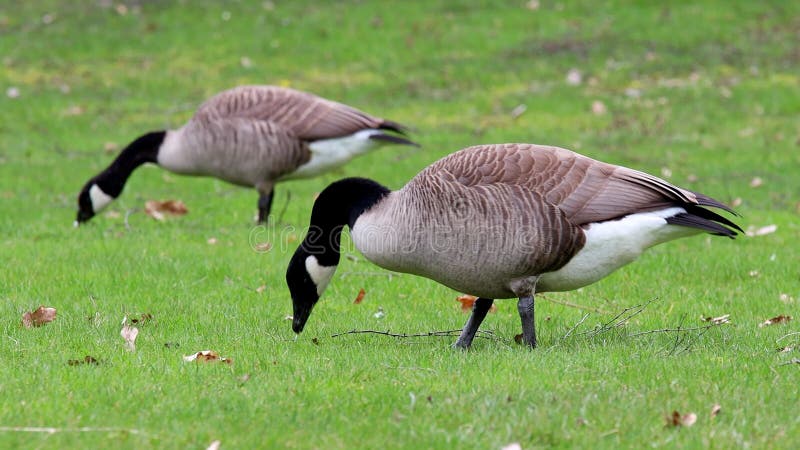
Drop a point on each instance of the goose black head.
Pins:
(91, 200)
(106, 186)
(317, 257)
(307, 279)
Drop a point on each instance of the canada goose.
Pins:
(250, 136)
(500, 221)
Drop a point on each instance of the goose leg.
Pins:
(264, 205)
(525, 308)
(479, 310)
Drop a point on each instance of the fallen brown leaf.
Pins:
(717, 320)
(756, 182)
(160, 209)
(677, 420)
(715, 410)
(776, 320)
(598, 107)
(263, 247)
(468, 301)
(761, 231)
(129, 334)
(206, 356)
(39, 317)
(360, 296)
(261, 288)
(141, 320)
(86, 360)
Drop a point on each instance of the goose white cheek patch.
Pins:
(99, 198)
(320, 275)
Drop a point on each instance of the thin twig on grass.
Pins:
(790, 362)
(127, 214)
(675, 330)
(450, 333)
(575, 326)
(618, 320)
(787, 335)
(53, 430)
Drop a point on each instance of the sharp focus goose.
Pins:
(252, 136)
(500, 221)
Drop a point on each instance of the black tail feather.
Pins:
(393, 139)
(394, 126)
(693, 221)
(705, 200)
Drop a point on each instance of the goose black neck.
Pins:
(142, 150)
(340, 204)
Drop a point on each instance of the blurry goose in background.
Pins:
(500, 221)
(250, 136)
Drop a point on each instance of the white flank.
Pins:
(99, 198)
(320, 275)
(329, 154)
(173, 157)
(611, 245)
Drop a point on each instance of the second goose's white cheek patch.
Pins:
(320, 275)
(99, 198)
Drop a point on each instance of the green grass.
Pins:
(717, 105)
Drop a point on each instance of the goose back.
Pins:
(249, 134)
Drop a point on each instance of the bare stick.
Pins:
(787, 335)
(51, 430)
(792, 361)
(127, 214)
(575, 326)
(624, 316)
(451, 333)
(674, 330)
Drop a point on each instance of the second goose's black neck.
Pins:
(142, 150)
(340, 204)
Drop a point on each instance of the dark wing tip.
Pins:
(393, 126)
(705, 200)
(393, 139)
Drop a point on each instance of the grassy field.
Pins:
(705, 93)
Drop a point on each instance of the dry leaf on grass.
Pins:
(677, 420)
(206, 356)
(761, 231)
(86, 360)
(776, 320)
(159, 210)
(212, 241)
(756, 182)
(214, 445)
(360, 296)
(512, 446)
(263, 247)
(599, 108)
(129, 334)
(715, 410)
(39, 317)
(717, 320)
(468, 301)
(261, 288)
(786, 349)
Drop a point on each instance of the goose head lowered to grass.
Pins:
(252, 136)
(500, 221)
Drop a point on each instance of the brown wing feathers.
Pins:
(309, 117)
(586, 190)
